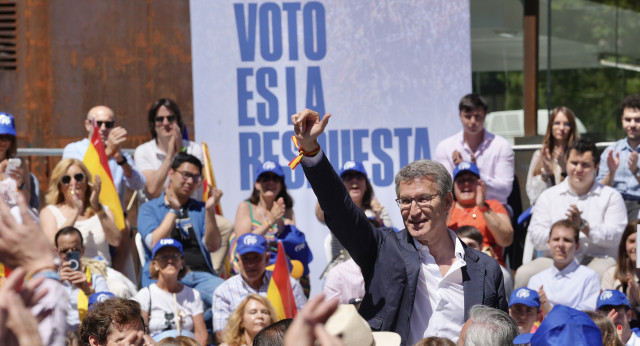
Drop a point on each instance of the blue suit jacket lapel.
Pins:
(473, 275)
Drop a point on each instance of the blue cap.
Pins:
(295, 246)
(466, 166)
(7, 126)
(99, 297)
(250, 242)
(356, 166)
(612, 298)
(164, 243)
(269, 167)
(563, 326)
(525, 296)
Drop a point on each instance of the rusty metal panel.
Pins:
(73, 55)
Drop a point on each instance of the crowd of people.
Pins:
(440, 278)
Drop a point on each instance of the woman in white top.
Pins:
(548, 166)
(73, 201)
(168, 305)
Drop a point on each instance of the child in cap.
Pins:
(617, 301)
(524, 305)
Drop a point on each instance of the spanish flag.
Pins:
(96, 161)
(209, 180)
(280, 293)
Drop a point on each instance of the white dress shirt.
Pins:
(603, 207)
(575, 286)
(438, 309)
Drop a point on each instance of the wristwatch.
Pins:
(122, 162)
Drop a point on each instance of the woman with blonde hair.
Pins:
(548, 165)
(73, 200)
(254, 313)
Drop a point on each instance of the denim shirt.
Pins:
(623, 181)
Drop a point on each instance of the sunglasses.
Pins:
(163, 258)
(66, 179)
(170, 118)
(107, 124)
(265, 177)
(352, 174)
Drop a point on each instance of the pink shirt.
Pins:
(494, 158)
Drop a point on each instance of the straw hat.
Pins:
(355, 331)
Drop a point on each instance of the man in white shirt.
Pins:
(421, 281)
(122, 168)
(492, 154)
(598, 211)
(566, 282)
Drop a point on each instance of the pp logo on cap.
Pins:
(523, 293)
(349, 165)
(4, 119)
(250, 240)
(268, 165)
(299, 247)
(606, 295)
(102, 297)
(166, 241)
(463, 166)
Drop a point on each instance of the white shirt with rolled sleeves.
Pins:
(603, 207)
(438, 309)
(494, 158)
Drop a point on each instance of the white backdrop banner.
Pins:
(391, 73)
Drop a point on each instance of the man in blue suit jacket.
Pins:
(421, 281)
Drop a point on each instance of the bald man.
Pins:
(120, 163)
(124, 175)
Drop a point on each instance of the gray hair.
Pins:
(490, 326)
(425, 168)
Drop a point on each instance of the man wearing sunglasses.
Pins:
(120, 163)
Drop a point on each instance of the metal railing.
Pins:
(58, 151)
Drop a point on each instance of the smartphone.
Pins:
(13, 164)
(74, 258)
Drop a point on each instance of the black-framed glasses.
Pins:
(422, 201)
(265, 177)
(160, 119)
(6, 137)
(173, 256)
(78, 177)
(186, 176)
(107, 124)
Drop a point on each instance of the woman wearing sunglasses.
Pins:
(73, 201)
(153, 158)
(267, 210)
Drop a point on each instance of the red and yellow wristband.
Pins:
(296, 160)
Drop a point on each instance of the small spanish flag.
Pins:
(97, 163)
(280, 293)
